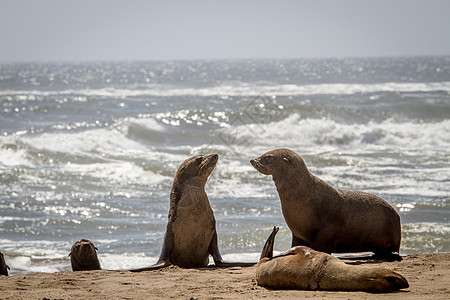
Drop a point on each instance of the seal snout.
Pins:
(256, 163)
(212, 159)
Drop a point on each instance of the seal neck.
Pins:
(287, 183)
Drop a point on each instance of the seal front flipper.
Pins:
(218, 260)
(164, 258)
(296, 241)
(3, 266)
(267, 251)
(156, 266)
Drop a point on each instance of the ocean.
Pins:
(89, 150)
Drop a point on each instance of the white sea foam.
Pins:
(244, 89)
(23, 264)
(11, 156)
(243, 257)
(126, 261)
(117, 172)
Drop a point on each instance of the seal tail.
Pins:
(268, 246)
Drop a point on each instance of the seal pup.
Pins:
(83, 256)
(3, 266)
(191, 234)
(328, 219)
(306, 269)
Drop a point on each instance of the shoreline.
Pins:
(428, 276)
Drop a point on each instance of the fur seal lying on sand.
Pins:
(328, 219)
(306, 269)
(191, 234)
(83, 256)
(3, 266)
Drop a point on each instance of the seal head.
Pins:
(83, 256)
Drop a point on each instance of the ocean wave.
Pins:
(242, 89)
(325, 133)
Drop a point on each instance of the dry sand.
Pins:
(427, 274)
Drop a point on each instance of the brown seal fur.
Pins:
(306, 269)
(83, 256)
(328, 219)
(191, 234)
(3, 266)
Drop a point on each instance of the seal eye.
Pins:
(198, 161)
(266, 159)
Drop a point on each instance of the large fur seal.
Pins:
(328, 219)
(83, 256)
(191, 230)
(3, 266)
(306, 269)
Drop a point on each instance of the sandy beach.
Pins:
(427, 274)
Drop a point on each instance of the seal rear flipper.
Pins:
(268, 246)
(387, 256)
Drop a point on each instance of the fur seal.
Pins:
(328, 219)
(191, 234)
(3, 266)
(83, 256)
(306, 269)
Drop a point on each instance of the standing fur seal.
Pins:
(191, 234)
(328, 219)
(83, 256)
(3, 266)
(306, 269)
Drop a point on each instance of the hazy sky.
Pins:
(80, 30)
